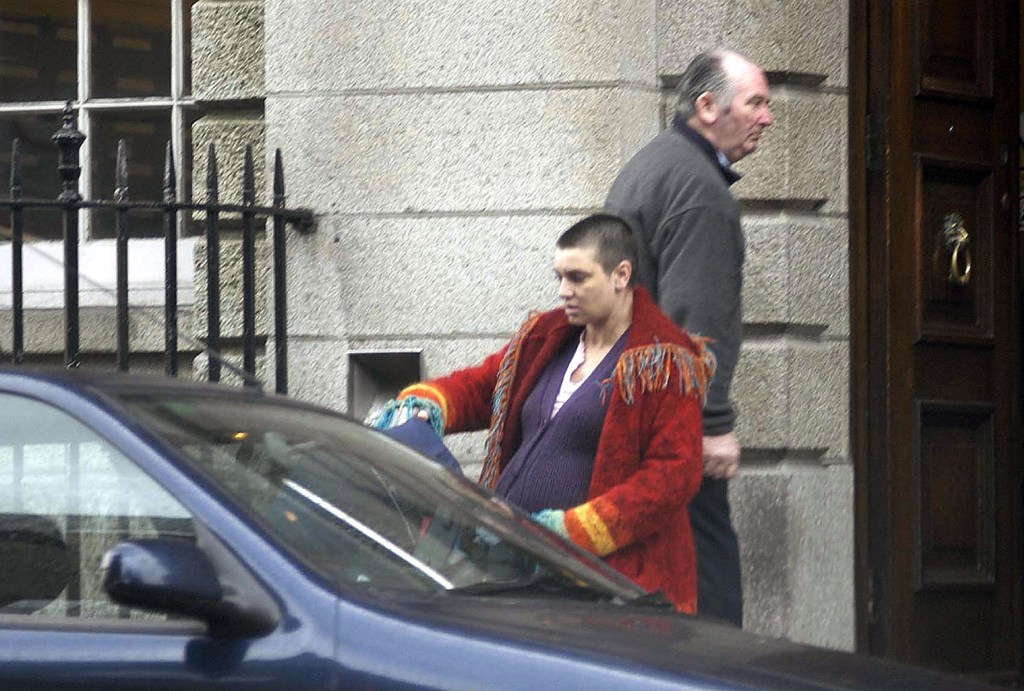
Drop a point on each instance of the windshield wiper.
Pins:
(541, 582)
(656, 599)
(547, 583)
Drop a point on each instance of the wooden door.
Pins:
(937, 338)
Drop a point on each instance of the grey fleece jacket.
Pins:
(675, 195)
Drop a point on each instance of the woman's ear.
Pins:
(621, 275)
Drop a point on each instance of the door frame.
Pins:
(868, 414)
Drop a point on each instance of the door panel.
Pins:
(956, 527)
(942, 516)
(955, 47)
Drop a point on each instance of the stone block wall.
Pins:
(228, 82)
(45, 334)
(228, 42)
(227, 50)
(445, 144)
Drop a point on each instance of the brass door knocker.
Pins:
(958, 246)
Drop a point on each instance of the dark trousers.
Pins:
(719, 589)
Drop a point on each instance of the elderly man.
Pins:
(675, 194)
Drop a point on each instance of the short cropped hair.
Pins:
(610, 235)
(705, 73)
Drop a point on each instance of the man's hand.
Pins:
(721, 456)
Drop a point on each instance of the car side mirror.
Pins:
(175, 576)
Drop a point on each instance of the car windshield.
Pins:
(362, 509)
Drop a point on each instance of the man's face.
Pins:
(586, 290)
(737, 128)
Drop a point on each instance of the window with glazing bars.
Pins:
(125, 66)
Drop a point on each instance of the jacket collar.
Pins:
(649, 323)
(707, 148)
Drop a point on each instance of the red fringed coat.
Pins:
(649, 457)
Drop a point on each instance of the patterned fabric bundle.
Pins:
(397, 412)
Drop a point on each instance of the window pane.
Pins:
(187, 67)
(146, 134)
(37, 50)
(131, 51)
(38, 168)
(66, 497)
(194, 223)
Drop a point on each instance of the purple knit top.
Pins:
(551, 468)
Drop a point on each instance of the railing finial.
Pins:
(69, 140)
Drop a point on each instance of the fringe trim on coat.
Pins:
(649, 368)
(500, 404)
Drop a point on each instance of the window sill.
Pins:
(43, 270)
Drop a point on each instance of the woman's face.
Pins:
(587, 292)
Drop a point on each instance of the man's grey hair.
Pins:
(706, 73)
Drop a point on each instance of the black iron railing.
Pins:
(70, 202)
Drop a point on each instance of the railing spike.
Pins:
(212, 191)
(278, 179)
(212, 266)
(248, 178)
(16, 177)
(170, 265)
(170, 179)
(121, 172)
(121, 244)
(248, 266)
(280, 278)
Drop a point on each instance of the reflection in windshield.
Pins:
(368, 532)
(356, 506)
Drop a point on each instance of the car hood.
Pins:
(689, 647)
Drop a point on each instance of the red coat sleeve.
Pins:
(664, 430)
(464, 396)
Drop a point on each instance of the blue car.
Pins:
(157, 534)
